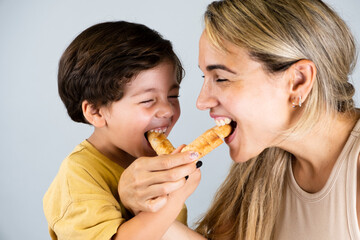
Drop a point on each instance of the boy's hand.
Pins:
(146, 183)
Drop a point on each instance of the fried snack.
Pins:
(204, 144)
(209, 140)
(160, 143)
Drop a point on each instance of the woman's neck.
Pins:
(316, 153)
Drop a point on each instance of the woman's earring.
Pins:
(294, 105)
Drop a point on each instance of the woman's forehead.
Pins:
(211, 57)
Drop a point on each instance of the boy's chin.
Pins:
(148, 153)
(152, 154)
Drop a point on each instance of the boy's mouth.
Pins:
(158, 130)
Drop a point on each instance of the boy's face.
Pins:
(150, 102)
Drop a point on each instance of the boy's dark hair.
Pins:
(103, 58)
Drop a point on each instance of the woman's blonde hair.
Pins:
(277, 33)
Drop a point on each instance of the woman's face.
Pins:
(237, 87)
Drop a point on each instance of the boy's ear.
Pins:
(302, 77)
(93, 114)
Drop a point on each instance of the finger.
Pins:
(178, 149)
(166, 162)
(194, 178)
(163, 189)
(189, 187)
(155, 204)
(158, 178)
(173, 174)
(192, 183)
(142, 180)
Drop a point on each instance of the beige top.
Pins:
(331, 212)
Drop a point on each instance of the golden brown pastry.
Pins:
(204, 144)
(160, 143)
(209, 140)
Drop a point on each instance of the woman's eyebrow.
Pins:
(219, 66)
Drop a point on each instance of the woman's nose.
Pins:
(206, 98)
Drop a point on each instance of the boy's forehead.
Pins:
(162, 77)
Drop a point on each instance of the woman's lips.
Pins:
(232, 135)
(221, 120)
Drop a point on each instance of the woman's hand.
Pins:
(146, 183)
(150, 225)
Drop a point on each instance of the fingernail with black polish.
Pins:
(198, 164)
(186, 177)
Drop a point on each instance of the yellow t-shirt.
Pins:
(83, 201)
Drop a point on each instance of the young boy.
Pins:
(122, 78)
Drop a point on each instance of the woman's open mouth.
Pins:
(232, 134)
(220, 121)
(233, 125)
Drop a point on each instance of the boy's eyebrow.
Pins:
(219, 66)
(174, 86)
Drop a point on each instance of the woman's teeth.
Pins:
(158, 130)
(222, 121)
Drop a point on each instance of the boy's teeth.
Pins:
(222, 121)
(158, 130)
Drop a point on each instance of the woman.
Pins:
(279, 70)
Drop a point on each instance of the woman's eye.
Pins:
(221, 80)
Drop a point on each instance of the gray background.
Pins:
(35, 131)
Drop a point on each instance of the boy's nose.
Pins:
(206, 98)
(165, 110)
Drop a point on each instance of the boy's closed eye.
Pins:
(153, 100)
(147, 101)
(174, 96)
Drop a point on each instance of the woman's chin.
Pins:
(240, 157)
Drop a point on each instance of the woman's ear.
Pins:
(302, 75)
(93, 114)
